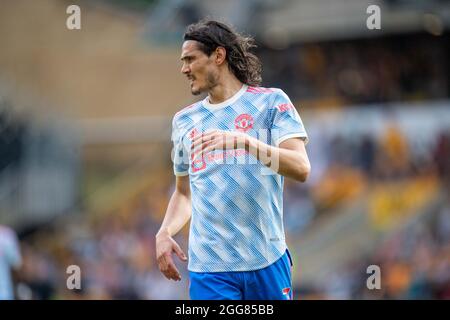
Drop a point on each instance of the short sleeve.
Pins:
(180, 156)
(286, 122)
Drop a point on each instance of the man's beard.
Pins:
(211, 82)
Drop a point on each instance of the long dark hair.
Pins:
(212, 34)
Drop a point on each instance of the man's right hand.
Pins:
(165, 245)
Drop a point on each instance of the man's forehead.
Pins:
(189, 47)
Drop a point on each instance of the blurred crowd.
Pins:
(344, 168)
(414, 260)
(341, 73)
(414, 263)
(115, 252)
(11, 138)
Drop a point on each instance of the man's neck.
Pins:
(224, 91)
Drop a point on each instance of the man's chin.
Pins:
(196, 92)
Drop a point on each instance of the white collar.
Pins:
(225, 103)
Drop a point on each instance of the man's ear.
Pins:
(220, 55)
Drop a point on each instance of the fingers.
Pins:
(216, 140)
(199, 150)
(204, 137)
(209, 148)
(162, 264)
(206, 134)
(165, 262)
(179, 252)
(168, 268)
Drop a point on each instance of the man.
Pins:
(10, 258)
(231, 151)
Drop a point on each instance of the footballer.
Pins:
(232, 151)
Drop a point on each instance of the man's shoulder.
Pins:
(264, 91)
(186, 111)
(267, 98)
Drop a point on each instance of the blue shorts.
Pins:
(273, 282)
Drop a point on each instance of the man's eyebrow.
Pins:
(186, 57)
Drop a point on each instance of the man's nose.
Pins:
(185, 69)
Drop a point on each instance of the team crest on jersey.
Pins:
(244, 122)
(286, 292)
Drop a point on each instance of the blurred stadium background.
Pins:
(85, 116)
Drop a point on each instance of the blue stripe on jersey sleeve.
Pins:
(286, 122)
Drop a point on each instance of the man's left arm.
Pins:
(290, 159)
(286, 153)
